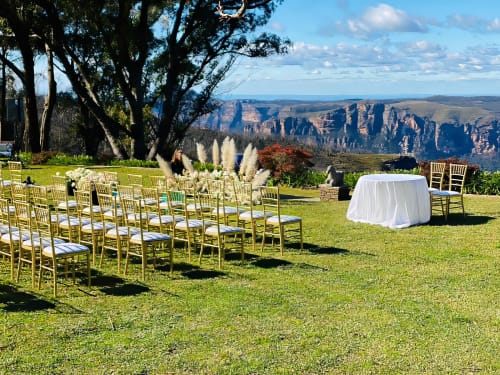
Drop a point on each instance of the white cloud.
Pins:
(379, 20)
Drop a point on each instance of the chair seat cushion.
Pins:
(73, 222)
(97, 226)
(65, 248)
(71, 204)
(191, 223)
(15, 235)
(144, 216)
(149, 237)
(224, 229)
(285, 219)
(110, 214)
(253, 215)
(446, 193)
(92, 209)
(122, 231)
(44, 242)
(226, 210)
(164, 219)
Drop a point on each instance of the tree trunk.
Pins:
(31, 136)
(50, 101)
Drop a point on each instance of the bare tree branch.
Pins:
(240, 13)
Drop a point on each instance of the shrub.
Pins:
(136, 163)
(286, 163)
(63, 159)
(42, 157)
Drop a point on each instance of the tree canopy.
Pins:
(125, 58)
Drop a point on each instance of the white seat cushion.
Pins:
(93, 209)
(224, 229)
(149, 237)
(191, 223)
(44, 241)
(253, 215)
(446, 193)
(97, 226)
(65, 248)
(285, 219)
(122, 231)
(164, 219)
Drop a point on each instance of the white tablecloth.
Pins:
(390, 200)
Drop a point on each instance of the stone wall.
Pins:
(333, 193)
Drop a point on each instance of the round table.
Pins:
(390, 200)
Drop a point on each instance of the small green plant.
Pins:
(63, 159)
(135, 163)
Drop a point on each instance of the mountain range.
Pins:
(427, 128)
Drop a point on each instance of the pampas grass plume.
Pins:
(200, 151)
(215, 153)
(244, 159)
(187, 164)
(165, 167)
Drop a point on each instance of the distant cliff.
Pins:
(431, 128)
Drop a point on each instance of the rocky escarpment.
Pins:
(424, 128)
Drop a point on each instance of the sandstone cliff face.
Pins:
(365, 126)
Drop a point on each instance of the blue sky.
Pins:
(374, 49)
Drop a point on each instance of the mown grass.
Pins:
(360, 299)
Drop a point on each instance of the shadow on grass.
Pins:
(201, 274)
(18, 301)
(459, 220)
(271, 263)
(116, 286)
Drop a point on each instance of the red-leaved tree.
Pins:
(285, 160)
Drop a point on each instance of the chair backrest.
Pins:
(436, 176)
(19, 192)
(39, 195)
(129, 191)
(159, 182)
(458, 172)
(111, 177)
(135, 179)
(44, 226)
(24, 218)
(270, 198)
(15, 169)
(134, 214)
(103, 188)
(59, 183)
(84, 206)
(6, 213)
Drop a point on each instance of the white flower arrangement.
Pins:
(79, 176)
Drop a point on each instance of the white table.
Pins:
(390, 200)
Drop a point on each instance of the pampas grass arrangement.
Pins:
(215, 153)
(251, 168)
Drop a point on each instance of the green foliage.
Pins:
(63, 159)
(307, 178)
(42, 157)
(135, 163)
(205, 166)
(483, 182)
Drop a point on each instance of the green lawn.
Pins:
(360, 299)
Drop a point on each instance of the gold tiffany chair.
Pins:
(248, 215)
(8, 231)
(30, 241)
(436, 179)
(143, 242)
(91, 229)
(278, 225)
(116, 238)
(216, 234)
(454, 196)
(59, 258)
